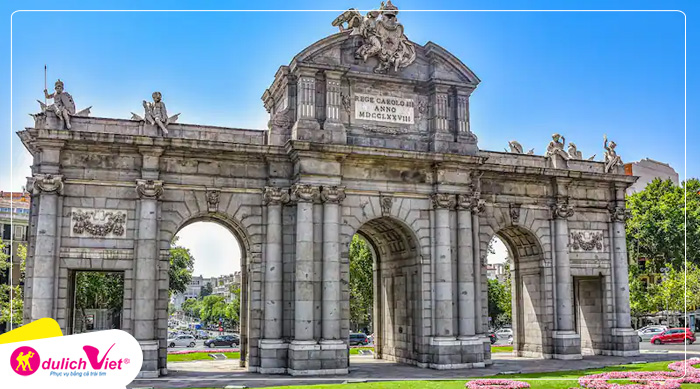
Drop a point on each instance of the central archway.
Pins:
(397, 279)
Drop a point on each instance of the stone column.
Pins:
(465, 268)
(477, 206)
(304, 195)
(443, 309)
(567, 343)
(273, 198)
(333, 126)
(330, 325)
(47, 187)
(624, 337)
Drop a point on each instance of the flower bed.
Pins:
(496, 384)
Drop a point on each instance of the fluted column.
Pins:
(48, 187)
(274, 198)
(330, 325)
(564, 300)
(304, 195)
(443, 202)
(465, 268)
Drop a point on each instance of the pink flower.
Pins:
(496, 384)
(642, 379)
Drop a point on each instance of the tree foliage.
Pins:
(361, 283)
(181, 267)
(656, 230)
(11, 298)
(500, 302)
(213, 308)
(192, 308)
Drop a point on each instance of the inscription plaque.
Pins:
(383, 108)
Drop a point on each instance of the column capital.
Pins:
(471, 202)
(333, 194)
(275, 196)
(562, 210)
(305, 193)
(45, 183)
(149, 189)
(619, 213)
(443, 200)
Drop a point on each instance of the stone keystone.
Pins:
(213, 196)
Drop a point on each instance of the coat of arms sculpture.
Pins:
(382, 34)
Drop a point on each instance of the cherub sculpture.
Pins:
(63, 105)
(156, 114)
(555, 150)
(517, 148)
(611, 158)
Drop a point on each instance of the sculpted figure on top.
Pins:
(612, 160)
(156, 114)
(517, 148)
(383, 36)
(63, 105)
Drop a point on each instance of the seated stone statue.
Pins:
(63, 105)
(611, 158)
(555, 150)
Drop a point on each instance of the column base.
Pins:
(308, 358)
(567, 345)
(624, 342)
(149, 368)
(458, 353)
(273, 356)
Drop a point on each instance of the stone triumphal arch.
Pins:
(369, 133)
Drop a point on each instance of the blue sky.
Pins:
(582, 74)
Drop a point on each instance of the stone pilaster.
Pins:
(624, 338)
(477, 206)
(273, 350)
(465, 269)
(306, 126)
(334, 128)
(443, 202)
(567, 343)
(330, 326)
(47, 187)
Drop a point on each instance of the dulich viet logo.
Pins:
(25, 361)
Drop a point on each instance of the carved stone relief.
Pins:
(586, 241)
(101, 223)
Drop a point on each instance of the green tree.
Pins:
(644, 298)
(657, 229)
(11, 301)
(206, 290)
(361, 283)
(213, 308)
(680, 289)
(181, 267)
(97, 290)
(233, 309)
(499, 302)
(192, 308)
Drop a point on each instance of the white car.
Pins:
(504, 333)
(648, 332)
(182, 341)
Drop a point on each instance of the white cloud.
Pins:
(216, 251)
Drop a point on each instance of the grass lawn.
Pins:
(556, 380)
(356, 350)
(200, 356)
(501, 349)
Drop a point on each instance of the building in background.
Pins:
(224, 285)
(647, 170)
(496, 271)
(194, 289)
(14, 225)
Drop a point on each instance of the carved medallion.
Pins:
(586, 240)
(102, 223)
(213, 196)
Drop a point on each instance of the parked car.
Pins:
(674, 335)
(649, 332)
(492, 337)
(370, 337)
(224, 340)
(504, 333)
(182, 341)
(358, 339)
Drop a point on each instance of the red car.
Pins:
(674, 335)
